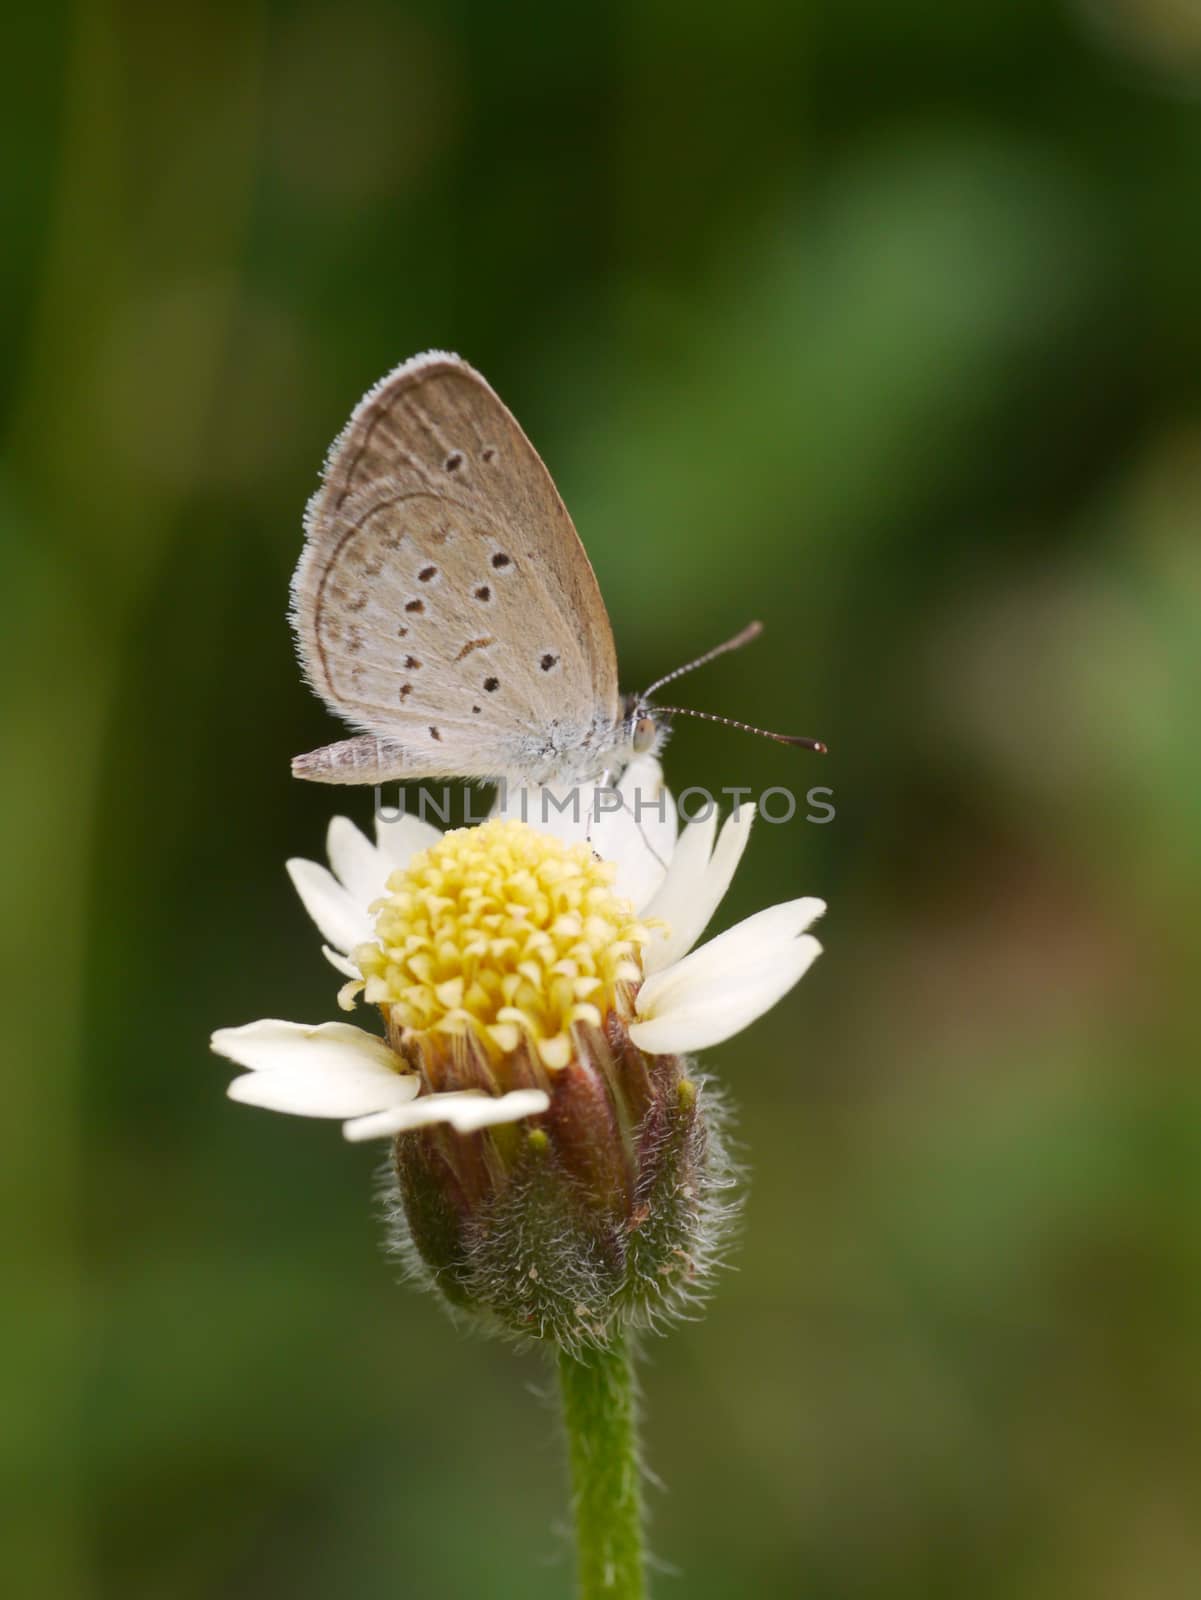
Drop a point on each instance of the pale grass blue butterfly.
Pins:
(444, 605)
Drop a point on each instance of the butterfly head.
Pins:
(641, 732)
(644, 736)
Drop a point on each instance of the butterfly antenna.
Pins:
(746, 727)
(751, 631)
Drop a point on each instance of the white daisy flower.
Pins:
(494, 951)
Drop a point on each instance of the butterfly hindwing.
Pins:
(443, 600)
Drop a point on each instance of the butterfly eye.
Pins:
(644, 735)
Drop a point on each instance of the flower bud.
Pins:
(608, 1211)
(505, 961)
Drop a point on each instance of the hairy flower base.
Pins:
(608, 1211)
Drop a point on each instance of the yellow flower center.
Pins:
(506, 932)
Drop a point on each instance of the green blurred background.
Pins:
(878, 321)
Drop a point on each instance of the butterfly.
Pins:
(444, 606)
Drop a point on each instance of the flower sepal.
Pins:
(606, 1212)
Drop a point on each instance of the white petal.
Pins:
(343, 921)
(707, 1014)
(269, 1045)
(639, 871)
(357, 864)
(340, 963)
(401, 837)
(655, 807)
(465, 1111)
(739, 952)
(684, 877)
(639, 836)
(564, 813)
(331, 1070)
(696, 884)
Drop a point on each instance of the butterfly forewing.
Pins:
(443, 598)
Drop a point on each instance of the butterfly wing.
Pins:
(443, 601)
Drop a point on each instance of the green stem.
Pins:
(606, 1474)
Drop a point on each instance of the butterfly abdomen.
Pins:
(362, 760)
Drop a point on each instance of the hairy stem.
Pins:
(606, 1475)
